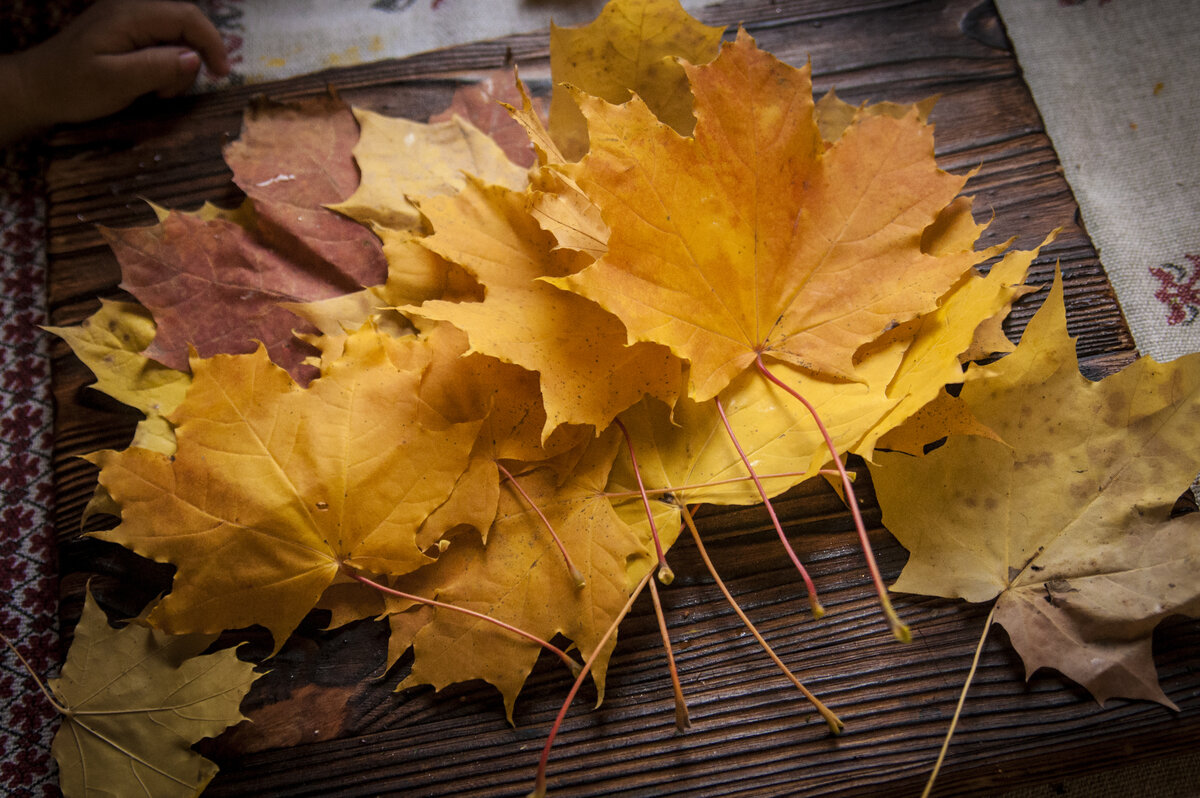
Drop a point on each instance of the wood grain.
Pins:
(328, 721)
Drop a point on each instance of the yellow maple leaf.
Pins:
(688, 451)
(134, 700)
(555, 200)
(110, 342)
(1066, 523)
(519, 578)
(275, 489)
(400, 159)
(587, 372)
(631, 47)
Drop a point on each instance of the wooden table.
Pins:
(326, 719)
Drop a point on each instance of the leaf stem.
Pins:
(835, 724)
(682, 721)
(37, 680)
(553, 649)
(899, 628)
(576, 574)
(813, 601)
(665, 574)
(962, 697)
(539, 790)
(625, 494)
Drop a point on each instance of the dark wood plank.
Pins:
(327, 720)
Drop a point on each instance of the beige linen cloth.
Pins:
(276, 39)
(1118, 86)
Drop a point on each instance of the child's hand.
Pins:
(113, 53)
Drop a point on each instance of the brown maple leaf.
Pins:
(213, 288)
(483, 104)
(1066, 524)
(292, 160)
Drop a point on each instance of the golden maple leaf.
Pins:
(687, 451)
(274, 489)
(519, 578)
(633, 46)
(588, 374)
(1066, 523)
(755, 236)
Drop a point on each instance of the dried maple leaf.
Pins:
(1067, 523)
(754, 235)
(292, 160)
(275, 489)
(134, 700)
(688, 452)
(402, 159)
(519, 578)
(212, 287)
(555, 200)
(482, 103)
(587, 372)
(110, 343)
(633, 46)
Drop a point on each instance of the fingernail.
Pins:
(189, 61)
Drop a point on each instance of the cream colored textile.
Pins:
(1118, 86)
(276, 39)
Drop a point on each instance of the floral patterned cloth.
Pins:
(28, 572)
(1117, 83)
(28, 569)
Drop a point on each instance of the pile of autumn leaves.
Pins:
(301, 430)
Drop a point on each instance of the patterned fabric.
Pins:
(1116, 83)
(28, 570)
(28, 581)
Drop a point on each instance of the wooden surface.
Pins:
(327, 720)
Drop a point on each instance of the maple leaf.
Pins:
(211, 286)
(134, 700)
(519, 578)
(587, 372)
(632, 46)
(1067, 523)
(945, 415)
(274, 488)
(483, 102)
(110, 343)
(555, 200)
(461, 387)
(754, 236)
(401, 159)
(834, 116)
(687, 451)
(292, 160)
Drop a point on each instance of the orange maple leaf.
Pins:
(275, 489)
(756, 237)
(588, 374)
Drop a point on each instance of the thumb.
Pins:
(166, 71)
